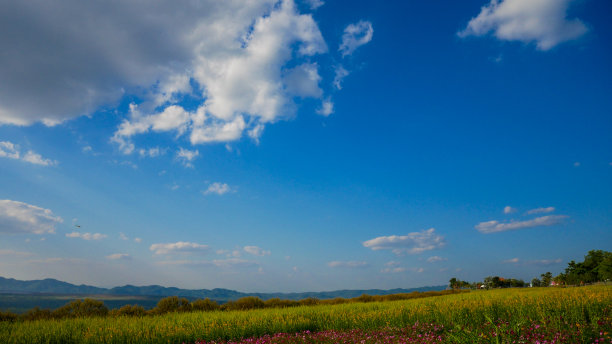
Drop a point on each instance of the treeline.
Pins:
(94, 308)
(596, 267)
(489, 282)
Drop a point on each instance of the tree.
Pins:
(536, 282)
(453, 283)
(546, 279)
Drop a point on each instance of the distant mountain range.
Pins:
(53, 286)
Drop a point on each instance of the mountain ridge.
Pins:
(54, 286)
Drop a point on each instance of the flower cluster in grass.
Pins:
(429, 333)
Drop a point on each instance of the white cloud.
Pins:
(314, 4)
(327, 108)
(254, 134)
(11, 151)
(220, 263)
(257, 251)
(303, 81)
(119, 256)
(19, 217)
(347, 264)
(540, 21)
(129, 46)
(540, 262)
(217, 188)
(434, 259)
(123, 236)
(509, 210)
(545, 262)
(86, 236)
(151, 152)
(341, 73)
(356, 35)
(496, 226)
(511, 261)
(240, 62)
(137, 240)
(233, 262)
(412, 243)
(14, 253)
(179, 247)
(392, 270)
(187, 156)
(577, 164)
(541, 210)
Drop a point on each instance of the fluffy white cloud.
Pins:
(540, 21)
(509, 210)
(119, 256)
(179, 247)
(239, 62)
(11, 151)
(186, 156)
(303, 81)
(257, 251)
(412, 243)
(327, 108)
(130, 45)
(347, 264)
(496, 226)
(434, 259)
(217, 188)
(19, 217)
(356, 35)
(86, 236)
(541, 210)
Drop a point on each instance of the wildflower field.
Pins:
(525, 315)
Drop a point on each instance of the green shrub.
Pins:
(205, 305)
(172, 304)
(129, 310)
(8, 316)
(249, 302)
(81, 308)
(36, 314)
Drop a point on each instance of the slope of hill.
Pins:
(53, 286)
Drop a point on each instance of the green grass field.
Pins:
(466, 318)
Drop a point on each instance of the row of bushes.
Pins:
(94, 308)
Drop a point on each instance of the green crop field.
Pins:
(526, 315)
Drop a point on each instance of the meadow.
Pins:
(525, 315)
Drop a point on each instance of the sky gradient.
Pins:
(303, 146)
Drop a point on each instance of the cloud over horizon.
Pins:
(178, 247)
(412, 243)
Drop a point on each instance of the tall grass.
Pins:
(557, 306)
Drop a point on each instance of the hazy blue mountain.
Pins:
(52, 286)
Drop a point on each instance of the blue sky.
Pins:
(281, 146)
